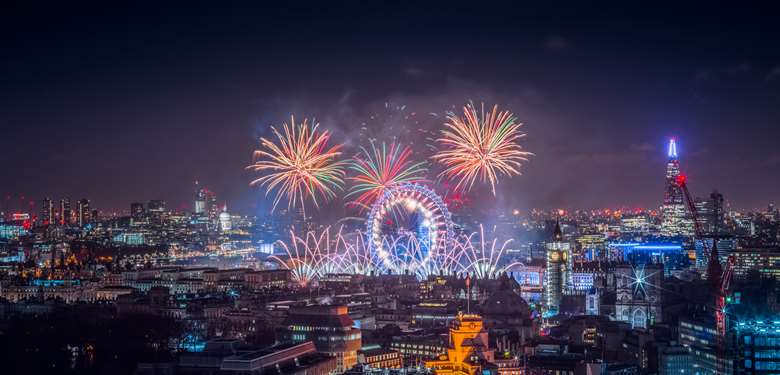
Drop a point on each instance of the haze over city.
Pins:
(94, 101)
(366, 188)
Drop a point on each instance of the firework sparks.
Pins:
(313, 255)
(480, 145)
(484, 261)
(381, 168)
(300, 165)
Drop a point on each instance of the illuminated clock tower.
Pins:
(556, 276)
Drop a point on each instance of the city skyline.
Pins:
(25, 204)
(365, 188)
(178, 112)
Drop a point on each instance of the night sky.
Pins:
(130, 104)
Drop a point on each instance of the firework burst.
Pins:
(480, 145)
(299, 165)
(380, 168)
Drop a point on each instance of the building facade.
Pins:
(558, 271)
(329, 327)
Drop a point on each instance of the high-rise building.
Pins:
(212, 207)
(206, 205)
(137, 210)
(557, 275)
(156, 209)
(675, 218)
(48, 215)
(674, 359)
(709, 213)
(84, 214)
(156, 205)
(200, 201)
(65, 212)
(699, 337)
(757, 345)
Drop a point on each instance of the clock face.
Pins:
(472, 325)
(554, 256)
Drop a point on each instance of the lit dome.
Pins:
(224, 219)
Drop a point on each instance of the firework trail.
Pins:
(300, 165)
(480, 145)
(380, 168)
(301, 260)
(484, 261)
(314, 255)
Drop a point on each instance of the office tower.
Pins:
(137, 211)
(757, 346)
(675, 218)
(156, 205)
(48, 215)
(65, 213)
(674, 359)
(557, 274)
(200, 201)
(84, 213)
(710, 213)
(212, 207)
(156, 210)
(698, 335)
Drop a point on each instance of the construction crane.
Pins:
(719, 278)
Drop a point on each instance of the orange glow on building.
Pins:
(468, 351)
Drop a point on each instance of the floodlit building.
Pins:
(757, 344)
(329, 327)
(674, 359)
(468, 352)
(558, 272)
(638, 294)
(675, 218)
(225, 221)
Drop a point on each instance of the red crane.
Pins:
(719, 278)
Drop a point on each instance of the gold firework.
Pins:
(299, 165)
(482, 145)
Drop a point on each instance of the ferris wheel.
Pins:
(408, 228)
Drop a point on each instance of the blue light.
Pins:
(672, 149)
(639, 246)
(624, 244)
(658, 247)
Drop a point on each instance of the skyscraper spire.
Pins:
(672, 153)
(675, 218)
